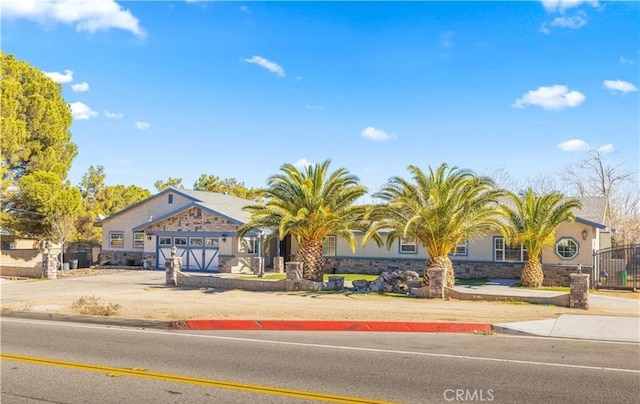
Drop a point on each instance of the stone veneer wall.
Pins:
(199, 281)
(194, 219)
(555, 275)
(128, 258)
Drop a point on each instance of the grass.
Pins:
(90, 305)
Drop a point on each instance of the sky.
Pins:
(163, 89)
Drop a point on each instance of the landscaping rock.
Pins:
(389, 282)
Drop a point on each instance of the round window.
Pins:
(567, 248)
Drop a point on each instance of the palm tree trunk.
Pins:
(532, 274)
(440, 262)
(310, 254)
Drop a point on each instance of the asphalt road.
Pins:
(80, 363)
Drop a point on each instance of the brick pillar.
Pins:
(278, 265)
(294, 275)
(49, 265)
(173, 265)
(579, 295)
(437, 282)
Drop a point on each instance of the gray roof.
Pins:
(227, 205)
(594, 209)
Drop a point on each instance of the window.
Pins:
(329, 245)
(195, 241)
(566, 248)
(116, 239)
(460, 249)
(170, 199)
(408, 245)
(211, 241)
(8, 245)
(505, 252)
(164, 241)
(252, 245)
(179, 241)
(138, 239)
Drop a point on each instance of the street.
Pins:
(81, 363)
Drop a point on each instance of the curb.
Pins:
(329, 325)
(259, 325)
(79, 318)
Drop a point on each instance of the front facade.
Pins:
(489, 256)
(202, 226)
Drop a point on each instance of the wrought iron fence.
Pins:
(617, 268)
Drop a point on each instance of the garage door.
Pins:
(198, 253)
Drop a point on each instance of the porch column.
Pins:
(278, 265)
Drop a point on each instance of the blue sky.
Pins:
(164, 89)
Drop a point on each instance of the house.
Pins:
(201, 225)
(203, 228)
(489, 256)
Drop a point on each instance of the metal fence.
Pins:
(617, 268)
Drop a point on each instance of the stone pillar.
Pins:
(172, 266)
(579, 295)
(278, 265)
(335, 283)
(256, 265)
(294, 275)
(49, 265)
(437, 282)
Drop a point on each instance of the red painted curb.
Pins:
(327, 325)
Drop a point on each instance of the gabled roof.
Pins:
(227, 206)
(593, 212)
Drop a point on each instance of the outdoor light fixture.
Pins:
(584, 234)
(224, 238)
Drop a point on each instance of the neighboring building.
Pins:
(203, 228)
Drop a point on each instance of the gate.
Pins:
(617, 268)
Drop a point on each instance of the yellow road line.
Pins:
(143, 373)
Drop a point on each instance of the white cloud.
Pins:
(552, 97)
(574, 145)
(244, 9)
(559, 6)
(81, 111)
(574, 22)
(375, 134)
(445, 39)
(80, 87)
(142, 125)
(606, 149)
(624, 61)
(267, 64)
(65, 77)
(619, 85)
(113, 115)
(302, 163)
(87, 15)
(314, 107)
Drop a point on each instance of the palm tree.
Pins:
(310, 205)
(532, 222)
(440, 210)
